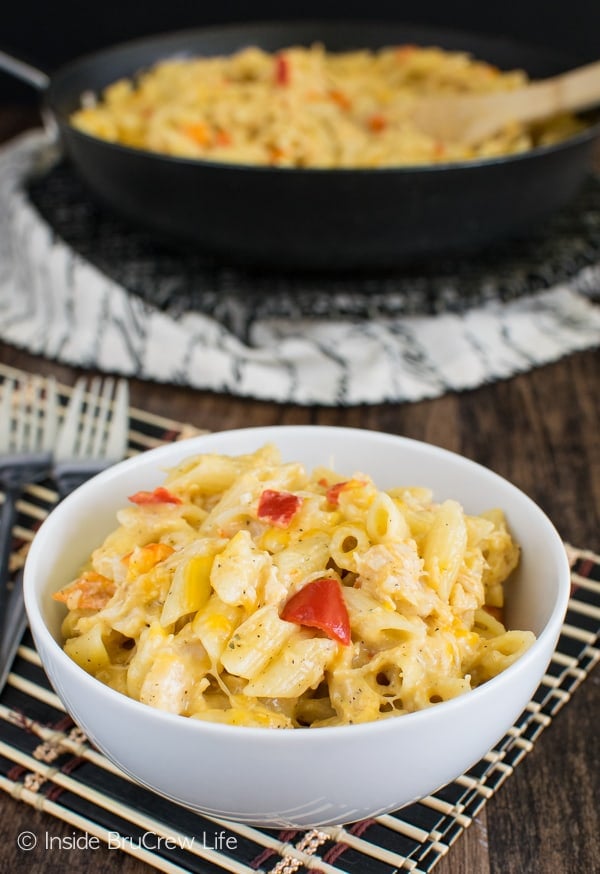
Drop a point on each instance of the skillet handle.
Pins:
(24, 71)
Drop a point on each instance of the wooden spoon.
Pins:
(471, 118)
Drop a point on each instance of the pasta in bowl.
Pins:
(250, 591)
(304, 578)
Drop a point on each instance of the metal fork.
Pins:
(93, 436)
(28, 423)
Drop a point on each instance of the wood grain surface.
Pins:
(541, 431)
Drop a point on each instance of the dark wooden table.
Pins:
(541, 431)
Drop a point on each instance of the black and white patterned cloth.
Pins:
(80, 286)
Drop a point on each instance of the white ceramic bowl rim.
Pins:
(204, 443)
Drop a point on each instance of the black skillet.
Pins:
(318, 219)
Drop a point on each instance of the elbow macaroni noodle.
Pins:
(180, 607)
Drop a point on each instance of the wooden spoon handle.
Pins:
(576, 90)
(471, 118)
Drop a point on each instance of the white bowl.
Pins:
(302, 777)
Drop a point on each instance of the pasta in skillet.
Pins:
(306, 107)
(247, 591)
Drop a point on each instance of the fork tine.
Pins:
(50, 423)
(102, 417)
(119, 428)
(6, 414)
(89, 416)
(17, 440)
(66, 444)
(32, 391)
(30, 397)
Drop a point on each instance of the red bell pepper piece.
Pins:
(282, 70)
(320, 604)
(278, 508)
(160, 495)
(332, 494)
(377, 122)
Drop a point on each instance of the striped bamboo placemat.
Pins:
(46, 760)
